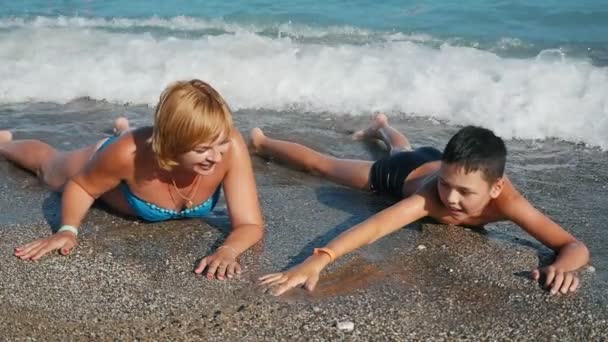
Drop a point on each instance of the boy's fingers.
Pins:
(267, 278)
(201, 266)
(311, 283)
(288, 284)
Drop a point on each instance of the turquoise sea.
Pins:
(530, 70)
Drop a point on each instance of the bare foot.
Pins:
(5, 136)
(121, 125)
(378, 121)
(256, 137)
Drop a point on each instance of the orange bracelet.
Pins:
(329, 252)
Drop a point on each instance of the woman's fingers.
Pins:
(42, 251)
(27, 248)
(574, 285)
(568, 278)
(212, 268)
(230, 270)
(549, 276)
(221, 270)
(201, 266)
(557, 282)
(30, 252)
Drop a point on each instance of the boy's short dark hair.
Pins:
(477, 148)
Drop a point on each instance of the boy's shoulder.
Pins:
(510, 202)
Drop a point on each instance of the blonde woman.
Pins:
(175, 169)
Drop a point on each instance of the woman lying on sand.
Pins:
(173, 170)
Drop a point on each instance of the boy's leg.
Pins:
(380, 129)
(352, 173)
(54, 168)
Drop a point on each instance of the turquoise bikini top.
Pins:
(153, 213)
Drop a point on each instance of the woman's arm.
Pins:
(366, 232)
(244, 211)
(101, 174)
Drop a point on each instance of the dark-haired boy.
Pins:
(464, 185)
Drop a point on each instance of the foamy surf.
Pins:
(550, 95)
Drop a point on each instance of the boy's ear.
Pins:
(496, 188)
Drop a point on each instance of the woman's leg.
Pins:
(380, 129)
(121, 125)
(53, 167)
(351, 173)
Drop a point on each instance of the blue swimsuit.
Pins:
(151, 212)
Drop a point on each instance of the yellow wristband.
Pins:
(68, 228)
(329, 252)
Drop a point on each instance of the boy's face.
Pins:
(465, 194)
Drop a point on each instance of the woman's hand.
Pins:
(306, 273)
(557, 280)
(220, 264)
(62, 241)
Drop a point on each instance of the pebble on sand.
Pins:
(346, 326)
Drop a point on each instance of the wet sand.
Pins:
(130, 280)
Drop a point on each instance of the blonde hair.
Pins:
(188, 113)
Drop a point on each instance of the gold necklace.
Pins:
(191, 194)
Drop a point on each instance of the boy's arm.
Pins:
(378, 226)
(571, 253)
(366, 232)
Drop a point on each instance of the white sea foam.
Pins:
(547, 96)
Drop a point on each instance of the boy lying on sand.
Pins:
(464, 185)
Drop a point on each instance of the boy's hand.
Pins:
(557, 279)
(306, 273)
(220, 264)
(62, 241)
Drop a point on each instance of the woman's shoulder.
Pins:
(125, 149)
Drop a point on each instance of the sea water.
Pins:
(526, 70)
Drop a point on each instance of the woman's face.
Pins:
(204, 157)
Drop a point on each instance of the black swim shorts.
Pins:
(388, 174)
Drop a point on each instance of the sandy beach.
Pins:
(130, 280)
